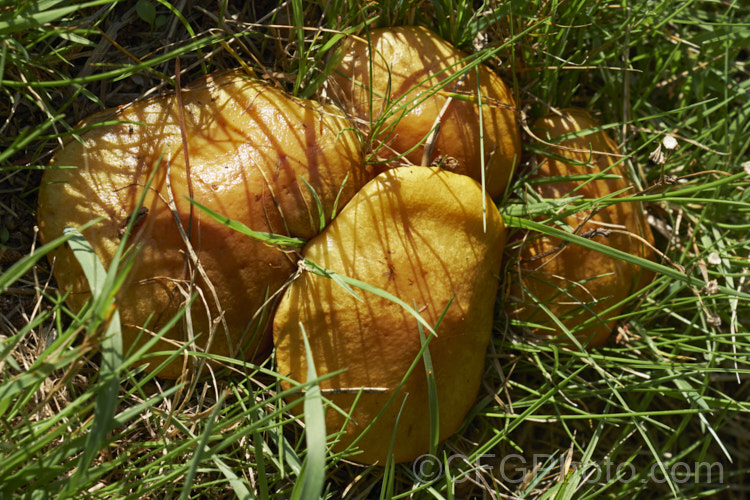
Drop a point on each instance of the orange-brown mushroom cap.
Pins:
(249, 147)
(584, 289)
(414, 74)
(418, 233)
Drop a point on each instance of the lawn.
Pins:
(661, 410)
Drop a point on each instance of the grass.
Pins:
(662, 412)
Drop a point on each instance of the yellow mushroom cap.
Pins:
(249, 147)
(414, 74)
(584, 289)
(418, 233)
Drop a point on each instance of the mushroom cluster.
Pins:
(420, 234)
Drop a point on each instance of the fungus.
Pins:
(584, 289)
(254, 155)
(418, 234)
(425, 99)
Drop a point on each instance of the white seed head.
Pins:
(714, 259)
(669, 142)
(480, 41)
(746, 167)
(712, 287)
(713, 320)
(657, 156)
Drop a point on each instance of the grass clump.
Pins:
(660, 411)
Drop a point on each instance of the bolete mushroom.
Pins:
(418, 234)
(419, 81)
(251, 153)
(584, 289)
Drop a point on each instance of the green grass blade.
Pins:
(23, 18)
(270, 238)
(318, 204)
(12, 274)
(697, 283)
(201, 448)
(389, 473)
(314, 467)
(336, 202)
(108, 383)
(239, 488)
